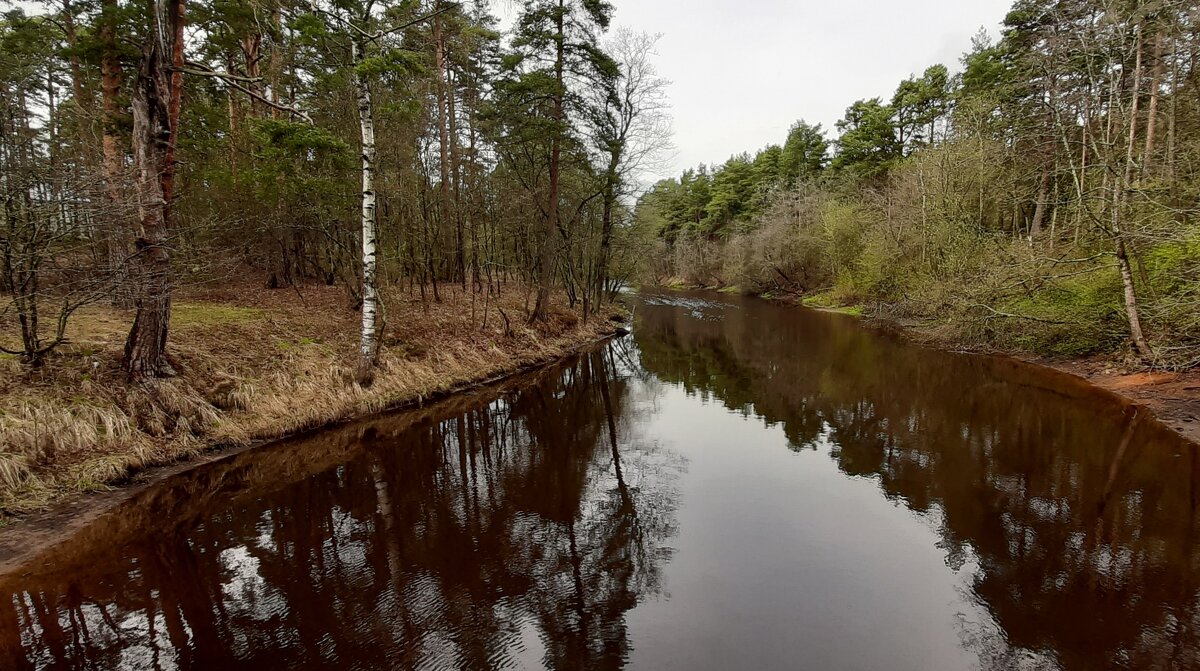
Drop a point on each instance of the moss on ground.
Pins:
(829, 302)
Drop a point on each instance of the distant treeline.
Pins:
(1045, 198)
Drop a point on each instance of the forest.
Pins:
(357, 145)
(1044, 199)
(208, 205)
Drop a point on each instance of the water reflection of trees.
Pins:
(1080, 514)
(520, 530)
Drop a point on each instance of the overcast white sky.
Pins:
(743, 70)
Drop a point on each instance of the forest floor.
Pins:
(254, 365)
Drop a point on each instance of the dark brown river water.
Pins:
(737, 485)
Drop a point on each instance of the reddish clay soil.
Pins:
(1173, 397)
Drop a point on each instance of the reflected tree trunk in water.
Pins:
(433, 543)
(176, 634)
(387, 514)
(612, 429)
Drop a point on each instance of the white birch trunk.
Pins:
(369, 345)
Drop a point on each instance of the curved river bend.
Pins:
(737, 485)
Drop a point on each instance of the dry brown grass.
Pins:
(255, 365)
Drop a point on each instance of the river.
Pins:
(736, 485)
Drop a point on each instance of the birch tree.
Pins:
(369, 336)
(368, 27)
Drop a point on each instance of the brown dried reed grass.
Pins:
(255, 365)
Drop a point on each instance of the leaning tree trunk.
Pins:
(155, 122)
(369, 342)
(1121, 190)
(1131, 302)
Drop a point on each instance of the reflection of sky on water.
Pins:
(736, 484)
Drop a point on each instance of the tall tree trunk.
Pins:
(439, 64)
(1134, 98)
(1120, 190)
(369, 340)
(155, 127)
(111, 232)
(471, 101)
(251, 46)
(82, 108)
(1039, 211)
(1171, 114)
(1081, 181)
(606, 228)
(83, 98)
(1048, 164)
(275, 64)
(235, 117)
(174, 102)
(456, 178)
(1152, 108)
(541, 308)
(55, 187)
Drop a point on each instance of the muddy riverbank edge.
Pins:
(29, 535)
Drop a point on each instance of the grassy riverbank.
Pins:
(254, 365)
